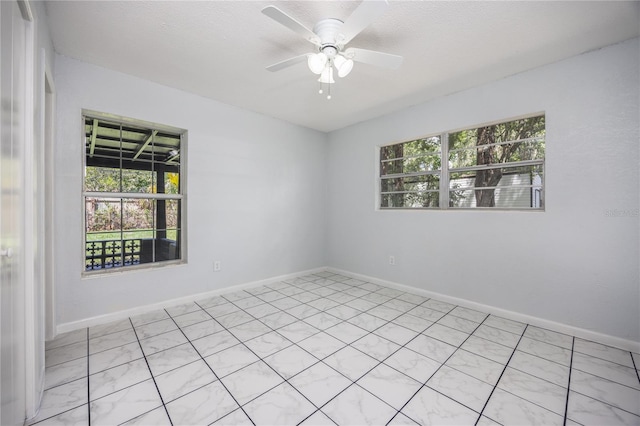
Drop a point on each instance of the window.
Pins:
(495, 166)
(133, 193)
(410, 173)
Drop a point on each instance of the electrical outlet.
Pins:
(392, 260)
(216, 266)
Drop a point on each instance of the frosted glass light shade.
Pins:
(343, 65)
(317, 62)
(327, 76)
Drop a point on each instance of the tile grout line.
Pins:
(243, 343)
(543, 358)
(602, 344)
(608, 404)
(152, 376)
(62, 384)
(378, 361)
(319, 331)
(404, 346)
(501, 374)
(368, 333)
(60, 347)
(323, 311)
(441, 364)
(318, 409)
(207, 364)
(535, 376)
(581, 393)
(633, 361)
(608, 379)
(571, 368)
(351, 286)
(302, 290)
(566, 405)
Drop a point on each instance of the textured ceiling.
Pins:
(219, 49)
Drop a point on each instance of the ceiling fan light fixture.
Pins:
(330, 37)
(327, 75)
(317, 62)
(343, 65)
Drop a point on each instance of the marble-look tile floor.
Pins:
(327, 349)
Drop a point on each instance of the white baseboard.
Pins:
(120, 315)
(582, 333)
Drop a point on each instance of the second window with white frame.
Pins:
(496, 166)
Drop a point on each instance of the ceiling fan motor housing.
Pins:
(328, 30)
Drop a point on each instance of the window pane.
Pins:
(138, 247)
(139, 181)
(103, 218)
(172, 183)
(167, 232)
(503, 198)
(167, 249)
(138, 214)
(424, 145)
(391, 151)
(513, 141)
(133, 253)
(103, 247)
(429, 147)
(407, 158)
(138, 234)
(411, 183)
(172, 209)
(168, 149)
(501, 176)
(410, 200)
(530, 149)
(103, 254)
(422, 163)
(507, 187)
(101, 179)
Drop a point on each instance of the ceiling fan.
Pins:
(330, 37)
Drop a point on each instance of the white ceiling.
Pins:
(219, 49)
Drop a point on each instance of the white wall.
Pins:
(256, 193)
(572, 263)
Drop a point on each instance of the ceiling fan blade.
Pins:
(291, 23)
(287, 63)
(372, 57)
(365, 14)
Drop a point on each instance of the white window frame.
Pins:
(444, 173)
(380, 178)
(181, 196)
